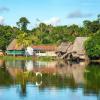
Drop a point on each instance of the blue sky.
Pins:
(56, 12)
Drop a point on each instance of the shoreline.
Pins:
(46, 58)
(95, 61)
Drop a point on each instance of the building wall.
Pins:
(15, 52)
(47, 53)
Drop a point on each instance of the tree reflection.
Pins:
(72, 76)
(92, 77)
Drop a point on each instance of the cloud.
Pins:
(2, 20)
(53, 21)
(4, 9)
(79, 14)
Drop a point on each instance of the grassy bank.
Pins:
(95, 61)
(28, 58)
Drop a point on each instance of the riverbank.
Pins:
(27, 58)
(95, 61)
(46, 58)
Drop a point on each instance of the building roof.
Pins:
(78, 45)
(64, 47)
(14, 45)
(44, 47)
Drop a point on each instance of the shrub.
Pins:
(92, 46)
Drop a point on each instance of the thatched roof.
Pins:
(64, 47)
(76, 49)
(14, 45)
(78, 45)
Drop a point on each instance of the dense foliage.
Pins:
(7, 34)
(92, 46)
(45, 34)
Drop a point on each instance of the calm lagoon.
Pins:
(51, 80)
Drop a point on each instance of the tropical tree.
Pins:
(22, 23)
(24, 39)
(7, 34)
(99, 18)
(92, 46)
(73, 30)
(91, 26)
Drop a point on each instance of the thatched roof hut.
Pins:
(14, 45)
(15, 49)
(64, 47)
(78, 45)
(75, 50)
(78, 50)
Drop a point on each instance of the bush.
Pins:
(92, 46)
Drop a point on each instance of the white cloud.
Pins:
(53, 21)
(2, 20)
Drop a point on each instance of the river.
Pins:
(49, 80)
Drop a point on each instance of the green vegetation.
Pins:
(92, 46)
(27, 58)
(91, 83)
(48, 79)
(48, 34)
(6, 79)
(7, 34)
(92, 78)
(22, 24)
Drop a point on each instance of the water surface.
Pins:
(54, 80)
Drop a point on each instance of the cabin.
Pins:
(14, 49)
(44, 50)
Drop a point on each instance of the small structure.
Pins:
(63, 48)
(74, 50)
(14, 49)
(35, 50)
(1, 53)
(44, 50)
(78, 48)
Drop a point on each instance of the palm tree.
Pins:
(24, 39)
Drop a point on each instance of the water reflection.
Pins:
(55, 76)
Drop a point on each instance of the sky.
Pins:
(55, 12)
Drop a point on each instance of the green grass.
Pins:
(98, 61)
(27, 58)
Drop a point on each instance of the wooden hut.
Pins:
(14, 49)
(63, 48)
(78, 49)
(74, 50)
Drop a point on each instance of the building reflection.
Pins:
(55, 74)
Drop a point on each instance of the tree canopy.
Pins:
(22, 23)
(46, 34)
(92, 46)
